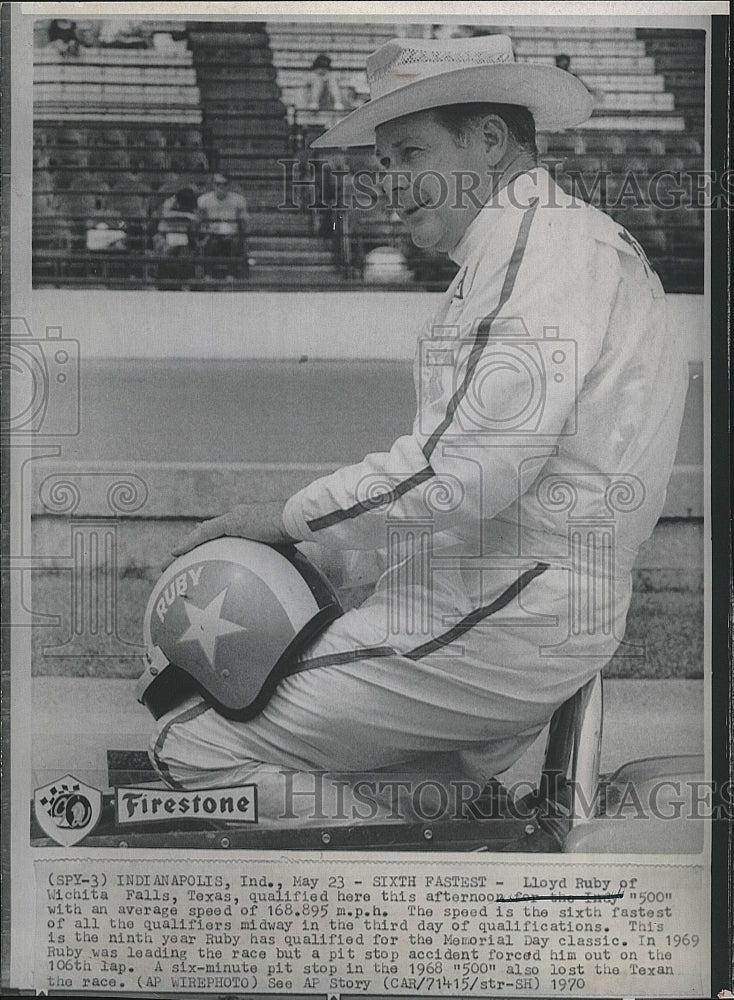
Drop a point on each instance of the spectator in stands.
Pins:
(178, 214)
(120, 34)
(353, 93)
(224, 222)
(323, 94)
(81, 205)
(316, 191)
(177, 235)
(62, 36)
(130, 200)
(452, 31)
(563, 62)
(168, 183)
(50, 230)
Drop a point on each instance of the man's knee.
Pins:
(182, 748)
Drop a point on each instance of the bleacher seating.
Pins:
(639, 121)
(107, 84)
(117, 131)
(110, 125)
(679, 57)
(246, 123)
(295, 46)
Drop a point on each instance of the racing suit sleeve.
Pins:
(543, 308)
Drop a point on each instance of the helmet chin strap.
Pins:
(156, 661)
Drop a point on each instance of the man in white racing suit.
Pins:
(506, 521)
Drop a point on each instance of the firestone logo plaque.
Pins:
(67, 809)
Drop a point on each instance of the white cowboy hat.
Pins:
(415, 74)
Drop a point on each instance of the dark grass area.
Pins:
(668, 623)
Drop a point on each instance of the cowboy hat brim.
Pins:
(556, 99)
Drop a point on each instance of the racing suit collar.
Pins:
(516, 194)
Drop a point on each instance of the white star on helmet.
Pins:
(206, 625)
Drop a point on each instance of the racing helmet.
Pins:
(228, 620)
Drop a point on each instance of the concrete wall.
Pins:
(365, 324)
(153, 505)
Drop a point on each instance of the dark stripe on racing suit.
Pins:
(480, 342)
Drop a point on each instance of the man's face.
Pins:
(430, 176)
(221, 187)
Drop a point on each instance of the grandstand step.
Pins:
(264, 197)
(261, 242)
(267, 277)
(302, 57)
(293, 78)
(561, 32)
(639, 83)
(339, 29)
(219, 127)
(234, 57)
(635, 122)
(246, 166)
(299, 76)
(267, 222)
(301, 50)
(155, 115)
(680, 57)
(109, 161)
(249, 90)
(113, 94)
(266, 203)
(237, 108)
(603, 63)
(216, 27)
(641, 164)
(235, 74)
(94, 58)
(665, 32)
(633, 101)
(145, 75)
(335, 34)
(285, 275)
(284, 256)
(685, 277)
(689, 79)
(688, 46)
(228, 40)
(689, 99)
(246, 125)
(330, 41)
(618, 99)
(676, 63)
(274, 146)
(96, 134)
(275, 223)
(579, 47)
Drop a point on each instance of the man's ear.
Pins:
(496, 138)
